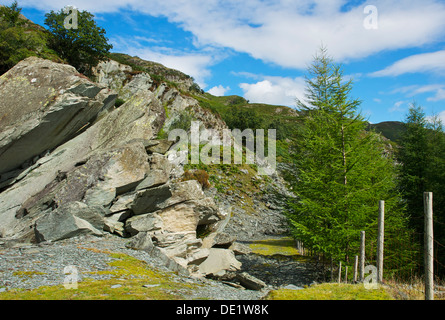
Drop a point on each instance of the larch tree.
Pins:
(342, 169)
(421, 153)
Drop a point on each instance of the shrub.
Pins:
(199, 175)
(20, 39)
(183, 122)
(119, 102)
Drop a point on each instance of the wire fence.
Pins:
(403, 264)
(402, 255)
(412, 258)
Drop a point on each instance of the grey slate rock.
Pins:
(70, 220)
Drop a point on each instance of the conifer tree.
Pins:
(413, 154)
(422, 157)
(343, 170)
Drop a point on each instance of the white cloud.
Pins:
(413, 90)
(440, 115)
(440, 95)
(397, 107)
(425, 62)
(218, 90)
(287, 32)
(275, 90)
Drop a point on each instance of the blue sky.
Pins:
(260, 49)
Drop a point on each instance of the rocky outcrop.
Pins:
(127, 82)
(42, 105)
(74, 164)
(181, 80)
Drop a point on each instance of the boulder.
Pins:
(143, 223)
(142, 241)
(207, 210)
(250, 282)
(158, 173)
(179, 218)
(171, 239)
(94, 181)
(159, 146)
(100, 195)
(154, 199)
(240, 249)
(141, 117)
(127, 167)
(175, 264)
(180, 251)
(70, 220)
(218, 240)
(218, 262)
(122, 202)
(198, 256)
(114, 223)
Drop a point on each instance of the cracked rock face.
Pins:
(140, 118)
(43, 105)
(72, 164)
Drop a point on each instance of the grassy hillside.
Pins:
(284, 119)
(391, 130)
(21, 38)
(227, 104)
(238, 113)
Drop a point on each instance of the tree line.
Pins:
(344, 170)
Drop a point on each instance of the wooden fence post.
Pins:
(380, 241)
(339, 273)
(428, 243)
(355, 269)
(362, 255)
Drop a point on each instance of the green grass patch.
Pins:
(284, 246)
(131, 279)
(26, 274)
(331, 291)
